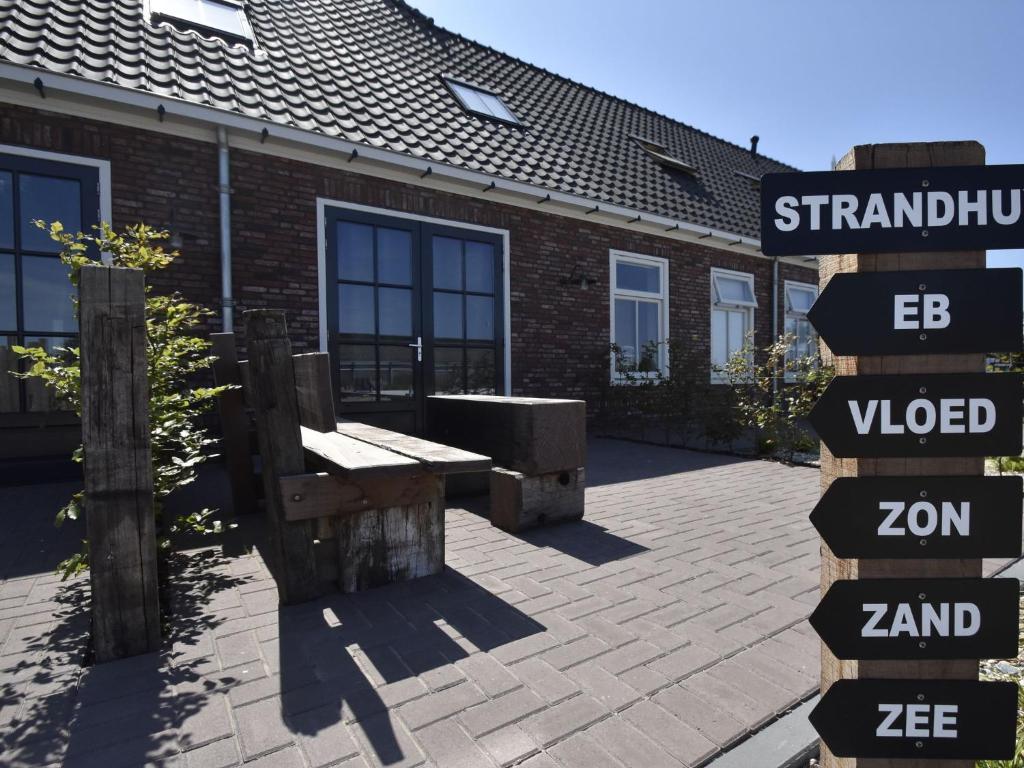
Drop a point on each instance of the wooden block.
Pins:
(434, 457)
(313, 391)
(234, 424)
(309, 496)
(391, 544)
(521, 501)
(354, 459)
(118, 463)
(528, 435)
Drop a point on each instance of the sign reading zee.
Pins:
(921, 415)
(920, 618)
(912, 209)
(918, 719)
(908, 517)
(931, 311)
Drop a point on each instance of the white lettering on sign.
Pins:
(969, 207)
(913, 311)
(936, 619)
(937, 721)
(923, 519)
(923, 416)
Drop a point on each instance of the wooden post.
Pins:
(313, 391)
(118, 463)
(277, 427)
(234, 424)
(899, 156)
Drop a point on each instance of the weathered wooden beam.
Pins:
(234, 424)
(321, 495)
(272, 383)
(354, 459)
(313, 391)
(521, 501)
(435, 457)
(118, 463)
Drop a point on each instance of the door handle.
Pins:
(419, 349)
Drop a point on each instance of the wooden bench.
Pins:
(346, 504)
(539, 447)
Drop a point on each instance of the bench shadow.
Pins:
(349, 658)
(584, 540)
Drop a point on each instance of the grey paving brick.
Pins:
(218, 754)
(680, 740)
(494, 714)
(447, 744)
(437, 706)
(716, 724)
(580, 751)
(289, 757)
(570, 654)
(683, 662)
(561, 720)
(323, 737)
(603, 686)
(386, 742)
(508, 745)
(204, 722)
(492, 677)
(631, 747)
(262, 728)
(544, 680)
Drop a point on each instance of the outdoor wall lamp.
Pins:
(579, 278)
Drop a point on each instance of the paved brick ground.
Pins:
(665, 627)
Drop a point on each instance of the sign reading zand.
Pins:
(912, 209)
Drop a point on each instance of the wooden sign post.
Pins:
(833, 568)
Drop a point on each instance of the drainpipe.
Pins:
(224, 187)
(775, 316)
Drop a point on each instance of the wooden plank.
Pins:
(434, 457)
(354, 459)
(532, 435)
(313, 391)
(118, 463)
(521, 501)
(234, 422)
(319, 495)
(832, 568)
(272, 380)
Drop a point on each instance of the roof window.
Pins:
(218, 17)
(481, 102)
(661, 155)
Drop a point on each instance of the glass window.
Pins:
(639, 327)
(396, 374)
(732, 316)
(479, 267)
(479, 318)
(447, 263)
(223, 17)
(734, 288)
(482, 102)
(50, 199)
(394, 256)
(6, 209)
(394, 306)
(799, 299)
(357, 372)
(355, 309)
(10, 387)
(47, 295)
(355, 252)
(480, 372)
(38, 397)
(448, 371)
(8, 294)
(447, 315)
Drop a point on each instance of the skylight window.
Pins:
(478, 101)
(220, 17)
(662, 156)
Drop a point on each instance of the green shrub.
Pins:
(175, 355)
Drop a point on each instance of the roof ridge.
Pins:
(405, 7)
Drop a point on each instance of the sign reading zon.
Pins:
(911, 209)
(934, 311)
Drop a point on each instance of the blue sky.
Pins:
(811, 78)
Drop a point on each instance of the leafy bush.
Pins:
(175, 356)
(774, 393)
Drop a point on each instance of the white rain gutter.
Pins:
(223, 118)
(224, 188)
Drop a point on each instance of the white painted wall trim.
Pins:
(283, 141)
(323, 203)
(106, 208)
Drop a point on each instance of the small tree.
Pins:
(175, 356)
(775, 395)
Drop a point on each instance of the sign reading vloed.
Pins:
(918, 719)
(921, 415)
(958, 208)
(920, 618)
(909, 517)
(934, 311)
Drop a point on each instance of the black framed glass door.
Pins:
(412, 309)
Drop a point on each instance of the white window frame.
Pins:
(155, 15)
(788, 313)
(749, 308)
(614, 292)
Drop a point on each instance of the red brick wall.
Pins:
(560, 333)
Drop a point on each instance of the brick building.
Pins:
(439, 216)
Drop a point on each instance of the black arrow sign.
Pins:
(920, 618)
(942, 311)
(910, 517)
(921, 415)
(929, 719)
(892, 210)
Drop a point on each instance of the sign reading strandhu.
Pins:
(884, 211)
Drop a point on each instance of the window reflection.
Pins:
(396, 374)
(47, 294)
(50, 199)
(357, 372)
